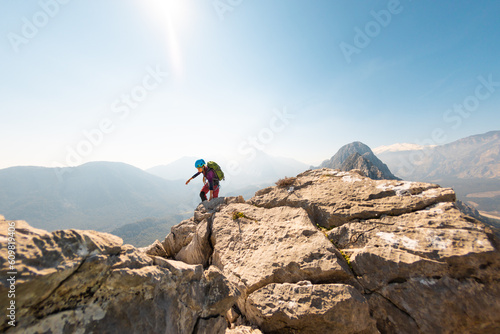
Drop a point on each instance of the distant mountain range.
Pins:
(400, 147)
(471, 166)
(357, 155)
(472, 157)
(98, 195)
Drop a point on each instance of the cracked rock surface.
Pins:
(310, 308)
(329, 252)
(398, 255)
(89, 282)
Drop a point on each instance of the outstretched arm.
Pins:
(192, 177)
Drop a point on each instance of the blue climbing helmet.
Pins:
(199, 163)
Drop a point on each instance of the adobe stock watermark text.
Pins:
(11, 273)
(119, 111)
(454, 117)
(380, 20)
(31, 26)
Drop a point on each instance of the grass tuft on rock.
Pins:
(286, 182)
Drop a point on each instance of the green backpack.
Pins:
(213, 165)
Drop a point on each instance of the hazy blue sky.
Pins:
(148, 81)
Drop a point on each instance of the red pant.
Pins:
(205, 190)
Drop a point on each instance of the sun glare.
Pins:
(169, 18)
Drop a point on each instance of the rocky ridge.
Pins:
(324, 252)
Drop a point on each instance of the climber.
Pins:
(210, 175)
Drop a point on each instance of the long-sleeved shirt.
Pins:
(211, 177)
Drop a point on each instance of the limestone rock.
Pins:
(155, 249)
(324, 252)
(180, 236)
(384, 236)
(434, 242)
(219, 293)
(211, 326)
(243, 330)
(83, 281)
(179, 243)
(333, 198)
(322, 308)
(451, 305)
(390, 319)
(232, 315)
(257, 246)
(427, 269)
(406, 242)
(198, 250)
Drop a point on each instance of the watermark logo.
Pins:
(224, 6)
(373, 28)
(470, 104)
(12, 273)
(277, 123)
(122, 108)
(455, 115)
(248, 148)
(31, 26)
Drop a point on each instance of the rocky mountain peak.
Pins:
(336, 161)
(326, 251)
(357, 155)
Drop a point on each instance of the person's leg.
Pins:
(216, 191)
(203, 192)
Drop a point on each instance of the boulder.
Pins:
(446, 304)
(216, 325)
(243, 330)
(257, 246)
(155, 249)
(85, 281)
(189, 240)
(333, 198)
(199, 249)
(180, 236)
(308, 308)
(433, 268)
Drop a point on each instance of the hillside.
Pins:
(146, 231)
(332, 252)
(99, 195)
